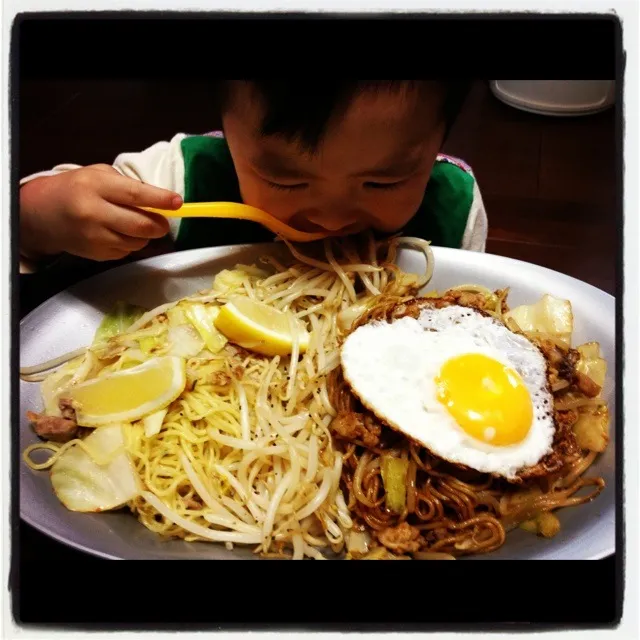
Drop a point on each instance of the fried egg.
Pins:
(458, 382)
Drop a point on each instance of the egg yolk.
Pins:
(488, 400)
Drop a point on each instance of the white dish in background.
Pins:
(556, 97)
(68, 320)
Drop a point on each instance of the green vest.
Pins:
(210, 176)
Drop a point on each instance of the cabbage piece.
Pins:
(530, 526)
(202, 318)
(405, 283)
(382, 553)
(119, 319)
(149, 343)
(548, 524)
(592, 428)
(549, 316)
(545, 524)
(176, 316)
(591, 363)
(394, 474)
(87, 485)
(251, 270)
(230, 280)
(185, 341)
(348, 316)
(153, 422)
(358, 543)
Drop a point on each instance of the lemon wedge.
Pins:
(130, 394)
(260, 328)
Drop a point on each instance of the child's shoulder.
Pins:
(207, 167)
(450, 161)
(452, 175)
(210, 148)
(451, 213)
(213, 142)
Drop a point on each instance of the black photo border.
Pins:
(359, 596)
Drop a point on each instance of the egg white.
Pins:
(392, 367)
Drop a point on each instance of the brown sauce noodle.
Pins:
(457, 511)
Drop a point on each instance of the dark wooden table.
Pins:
(549, 184)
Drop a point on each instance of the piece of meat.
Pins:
(238, 356)
(237, 371)
(564, 440)
(401, 539)
(220, 379)
(357, 426)
(568, 369)
(54, 428)
(193, 503)
(564, 445)
(553, 352)
(555, 382)
(67, 409)
(466, 299)
(239, 352)
(548, 465)
(562, 362)
(566, 419)
(562, 366)
(586, 385)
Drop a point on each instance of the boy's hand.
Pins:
(90, 212)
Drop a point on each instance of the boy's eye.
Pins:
(286, 187)
(384, 185)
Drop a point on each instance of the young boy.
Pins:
(340, 156)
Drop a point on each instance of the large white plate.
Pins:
(69, 319)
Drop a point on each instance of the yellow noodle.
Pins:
(246, 462)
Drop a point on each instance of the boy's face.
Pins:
(371, 169)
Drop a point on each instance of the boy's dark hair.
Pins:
(299, 110)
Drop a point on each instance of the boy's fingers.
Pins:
(136, 223)
(107, 168)
(108, 245)
(133, 193)
(112, 243)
